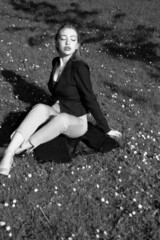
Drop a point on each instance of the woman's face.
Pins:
(67, 42)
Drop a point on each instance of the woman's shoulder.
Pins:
(79, 62)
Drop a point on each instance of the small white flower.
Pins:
(140, 206)
(8, 228)
(6, 204)
(2, 224)
(35, 190)
(145, 154)
(102, 199)
(10, 234)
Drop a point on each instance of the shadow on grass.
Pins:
(136, 44)
(28, 93)
(10, 123)
(16, 29)
(51, 15)
(154, 73)
(47, 12)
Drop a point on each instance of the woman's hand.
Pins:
(114, 134)
(56, 108)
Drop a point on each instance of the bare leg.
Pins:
(63, 123)
(38, 115)
(35, 118)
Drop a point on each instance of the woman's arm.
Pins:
(82, 76)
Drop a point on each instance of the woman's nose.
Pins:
(67, 41)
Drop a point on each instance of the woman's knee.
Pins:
(63, 119)
(85, 128)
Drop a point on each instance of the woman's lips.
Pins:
(67, 48)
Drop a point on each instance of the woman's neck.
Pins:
(64, 60)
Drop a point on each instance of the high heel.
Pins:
(5, 168)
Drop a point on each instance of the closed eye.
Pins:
(63, 38)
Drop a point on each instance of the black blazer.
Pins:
(74, 91)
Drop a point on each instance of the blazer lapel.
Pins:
(65, 71)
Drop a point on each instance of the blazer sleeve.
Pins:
(82, 76)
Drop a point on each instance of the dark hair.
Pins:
(76, 54)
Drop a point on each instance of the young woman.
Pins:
(73, 98)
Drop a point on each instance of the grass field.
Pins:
(111, 196)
